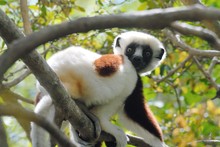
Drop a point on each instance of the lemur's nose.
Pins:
(137, 59)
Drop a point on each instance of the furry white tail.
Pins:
(40, 137)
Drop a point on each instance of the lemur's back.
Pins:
(92, 77)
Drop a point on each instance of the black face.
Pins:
(139, 55)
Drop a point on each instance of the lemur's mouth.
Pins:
(139, 65)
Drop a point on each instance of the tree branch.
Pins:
(18, 79)
(152, 19)
(213, 63)
(206, 74)
(205, 34)
(12, 98)
(212, 25)
(182, 64)
(147, 19)
(25, 17)
(21, 113)
(193, 51)
(49, 81)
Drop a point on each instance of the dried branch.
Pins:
(181, 65)
(8, 94)
(213, 63)
(10, 97)
(18, 79)
(16, 71)
(210, 142)
(213, 143)
(25, 17)
(203, 33)
(27, 30)
(206, 74)
(152, 19)
(193, 51)
(212, 25)
(19, 112)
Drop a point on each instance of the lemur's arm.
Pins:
(137, 117)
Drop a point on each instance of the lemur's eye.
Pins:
(148, 54)
(130, 50)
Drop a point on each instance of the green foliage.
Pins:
(181, 103)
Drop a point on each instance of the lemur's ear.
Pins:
(117, 42)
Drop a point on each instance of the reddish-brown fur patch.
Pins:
(108, 64)
(73, 83)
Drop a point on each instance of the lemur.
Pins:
(107, 84)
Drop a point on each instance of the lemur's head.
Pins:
(143, 50)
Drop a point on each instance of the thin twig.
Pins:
(16, 71)
(193, 51)
(205, 73)
(209, 142)
(18, 79)
(25, 17)
(19, 97)
(203, 33)
(212, 65)
(182, 64)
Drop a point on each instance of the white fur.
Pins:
(40, 137)
(97, 89)
(75, 67)
(140, 131)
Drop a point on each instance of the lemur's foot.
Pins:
(92, 117)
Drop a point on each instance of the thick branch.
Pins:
(152, 19)
(21, 113)
(210, 24)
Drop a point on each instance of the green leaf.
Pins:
(191, 98)
(3, 2)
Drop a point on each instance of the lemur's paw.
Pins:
(92, 117)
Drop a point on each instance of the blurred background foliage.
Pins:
(182, 103)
